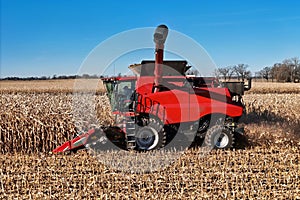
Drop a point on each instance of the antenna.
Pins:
(114, 69)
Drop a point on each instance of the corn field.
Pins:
(274, 87)
(36, 119)
(33, 123)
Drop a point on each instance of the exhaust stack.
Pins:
(160, 36)
(249, 84)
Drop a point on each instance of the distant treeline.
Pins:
(286, 71)
(51, 78)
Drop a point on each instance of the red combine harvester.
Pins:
(162, 107)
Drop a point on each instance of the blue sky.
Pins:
(54, 36)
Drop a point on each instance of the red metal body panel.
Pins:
(183, 104)
(189, 105)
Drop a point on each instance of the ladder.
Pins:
(130, 127)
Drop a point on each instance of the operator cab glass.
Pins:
(120, 94)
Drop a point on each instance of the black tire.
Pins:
(151, 137)
(219, 137)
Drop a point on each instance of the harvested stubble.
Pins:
(50, 86)
(37, 86)
(273, 119)
(253, 173)
(274, 87)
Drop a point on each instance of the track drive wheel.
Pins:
(219, 137)
(151, 136)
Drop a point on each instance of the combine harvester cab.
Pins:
(148, 114)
